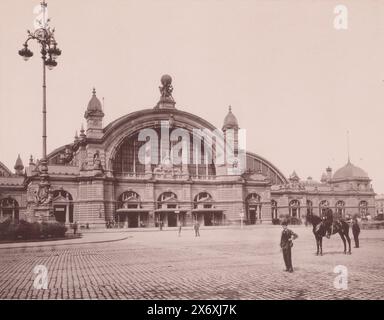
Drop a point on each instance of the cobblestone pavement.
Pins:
(221, 264)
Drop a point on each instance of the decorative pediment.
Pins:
(60, 198)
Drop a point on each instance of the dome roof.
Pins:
(350, 171)
(94, 104)
(230, 121)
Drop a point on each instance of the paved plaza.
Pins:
(224, 263)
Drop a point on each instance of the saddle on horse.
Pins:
(333, 228)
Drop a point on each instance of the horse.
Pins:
(320, 229)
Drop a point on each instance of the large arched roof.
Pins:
(116, 131)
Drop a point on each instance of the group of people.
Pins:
(288, 236)
(196, 227)
(329, 224)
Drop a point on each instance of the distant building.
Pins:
(98, 179)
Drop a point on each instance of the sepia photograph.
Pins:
(194, 150)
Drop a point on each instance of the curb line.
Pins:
(65, 244)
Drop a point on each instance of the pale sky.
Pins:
(294, 82)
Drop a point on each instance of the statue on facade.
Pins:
(166, 88)
(39, 195)
(158, 170)
(67, 155)
(96, 161)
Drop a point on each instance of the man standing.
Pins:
(286, 243)
(356, 232)
(75, 226)
(328, 222)
(180, 225)
(197, 227)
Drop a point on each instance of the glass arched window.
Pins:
(203, 200)
(129, 200)
(323, 206)
(340, 208)
(294, 208)
(167, 200)
(127, 160)
(363, 208)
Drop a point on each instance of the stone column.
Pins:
(67, 213)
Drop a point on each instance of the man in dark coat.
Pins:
(286, 243)
(197, 228)
(356, 232)
(328, 222)
(75, 226)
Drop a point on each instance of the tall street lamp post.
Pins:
(44, 36)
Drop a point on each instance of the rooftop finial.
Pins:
(230, 108)
(166, 89)
(94, 91)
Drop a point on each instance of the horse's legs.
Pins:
(349, 241)
(321, 245)
(343, 238)
(317, 245)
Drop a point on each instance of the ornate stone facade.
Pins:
(98, 178)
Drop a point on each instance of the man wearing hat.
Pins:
(286, 243)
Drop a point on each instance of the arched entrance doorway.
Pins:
(204, 210)
(130, 213)
(9, 209)
(62, 202)
(168, 211)
(253, 207)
